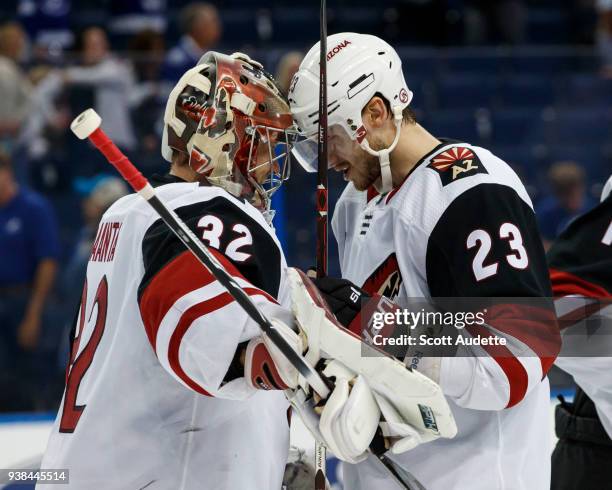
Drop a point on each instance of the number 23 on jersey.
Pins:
(482, 241)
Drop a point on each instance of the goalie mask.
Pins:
(231, 121)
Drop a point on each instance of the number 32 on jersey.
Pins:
(212, 230)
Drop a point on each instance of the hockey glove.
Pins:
(348, 419)
(265, 367)
(344, 298)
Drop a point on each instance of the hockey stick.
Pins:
(322, 152)
(401, 477)
(320, 451)
(87, 125)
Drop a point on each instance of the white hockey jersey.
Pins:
(153, 397)
(462, 225)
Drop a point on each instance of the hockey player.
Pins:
(155, 390)
(170, 384)
(424, 217)
(580, 262)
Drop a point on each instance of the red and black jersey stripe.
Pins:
(262, 268)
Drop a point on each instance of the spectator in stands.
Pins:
(112, 83)
(500, 22)
(287, 66)
(604, 35)
(201, 29)
(13, 42)
(568, 200)
(29, 248)
(14, 86)
(105, 192)
(45, 135)
(147, 49)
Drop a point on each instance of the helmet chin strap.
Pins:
(383, 155)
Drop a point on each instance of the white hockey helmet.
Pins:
(221, 115)
(358, 67)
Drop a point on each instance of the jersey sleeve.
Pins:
(580, 261)
(574, 272)
(486, 247)
(582, 287)
(193, 324)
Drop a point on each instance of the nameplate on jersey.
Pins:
(105, 243)
(456, 163)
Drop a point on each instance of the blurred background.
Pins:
(529, 79)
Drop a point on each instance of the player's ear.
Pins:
(375, 112)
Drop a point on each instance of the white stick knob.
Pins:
(85, 123)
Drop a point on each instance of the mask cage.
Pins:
(276, 156)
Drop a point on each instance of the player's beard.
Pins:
(359, 167)
(365, 173)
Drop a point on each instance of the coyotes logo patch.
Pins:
(386, 279)
(456, 163)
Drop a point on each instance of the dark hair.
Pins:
(147, 51)
(146, 41)
(565, 176)
(189, 14)
(79, 41)
(408, 115)
(179, 159)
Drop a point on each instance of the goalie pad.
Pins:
(350, 416)
(418, 400)
(401, 436)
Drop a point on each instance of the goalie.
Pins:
(170, 384)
